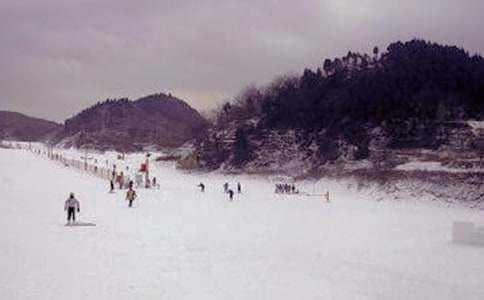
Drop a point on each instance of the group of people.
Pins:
(127, 183)
(285, 188)
(226, 188)
(71, 205)
(229, 191)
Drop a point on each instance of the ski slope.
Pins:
(179, 243)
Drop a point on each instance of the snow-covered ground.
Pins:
(433, 166)
(179, 243)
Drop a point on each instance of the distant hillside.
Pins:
(360, 109)
(157, 120)
(16, 126)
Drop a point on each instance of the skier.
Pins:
(130, 196)
(154, 182)
(231, 194)
(239, 188)
(71, 205)
(226, 187)
(131, 183)
(202, 187)
(111, 186)
(326, 196)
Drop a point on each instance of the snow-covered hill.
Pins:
(179, 243)
(17, 126)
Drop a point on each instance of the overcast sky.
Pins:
(60, 56)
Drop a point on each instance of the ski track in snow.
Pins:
(178, 243)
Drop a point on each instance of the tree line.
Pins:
(408, 90)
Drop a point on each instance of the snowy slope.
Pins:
(177, 243)
(433, 166)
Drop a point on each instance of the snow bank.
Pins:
(433, 166)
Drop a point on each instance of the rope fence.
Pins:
(91, 169)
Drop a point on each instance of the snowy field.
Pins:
(179, 243)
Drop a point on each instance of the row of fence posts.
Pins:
(91, 169)
(100, 172)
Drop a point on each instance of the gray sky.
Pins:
(60, 56)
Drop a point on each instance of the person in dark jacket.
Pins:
(202, 187)
(231, 194)
(111, 186)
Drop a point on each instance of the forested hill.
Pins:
(156, 120)
(17, 126)
(402, 98)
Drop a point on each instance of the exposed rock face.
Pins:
(16, 126)
(157, 120)
(457, 136)
(245, 147)
(299, 154)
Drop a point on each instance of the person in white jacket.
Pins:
(71, 206)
